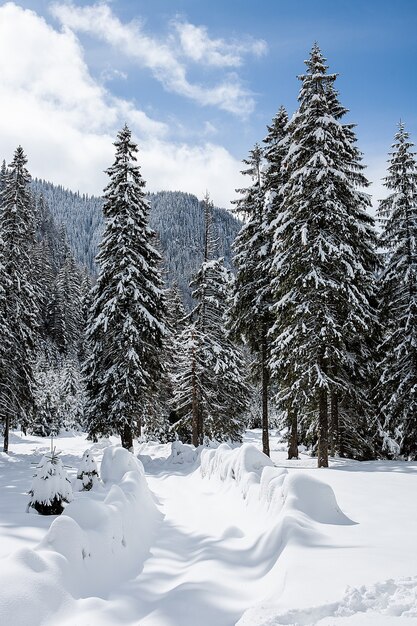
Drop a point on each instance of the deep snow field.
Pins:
(179, 538)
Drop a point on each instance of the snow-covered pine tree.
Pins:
(224, 390)
(87, 474)
(176, 313)
(43, 280)
(324, 253)
(159, 414)
(85, 292)
(19, 310)
(251, 311)
(189, 391)
(47, 392)
(397, 386)
(72, 394)
(66, 307)
(126, 327)
(3, 175)
(210, 394)
(51, 487)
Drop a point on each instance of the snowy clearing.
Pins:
(227, 538)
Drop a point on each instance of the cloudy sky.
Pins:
(196, 80)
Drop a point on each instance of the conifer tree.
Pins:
(51, 488)
(251, 311)
(210, 394)
(19, 310)
(43, 280)
(125, 328)
(87, 474)
(159, 412)
(397, 386)
(190, 393)
(324, 259)
(66, 307)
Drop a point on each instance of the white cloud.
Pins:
(198, 46)
(66, 122)
(194, 169)
(161, 57)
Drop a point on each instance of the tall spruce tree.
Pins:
(251, 313)
(397, 386)
(210, 392)
(126, 327)
(18, 308)
(324, 261)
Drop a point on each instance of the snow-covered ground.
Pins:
(223, 539)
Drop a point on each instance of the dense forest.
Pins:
(161, 316)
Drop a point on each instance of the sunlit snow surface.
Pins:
(215, 539)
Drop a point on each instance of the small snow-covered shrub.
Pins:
(51, 487)
(87, 475)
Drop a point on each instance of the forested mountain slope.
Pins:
(177, 217)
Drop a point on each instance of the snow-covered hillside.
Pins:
(213, 538)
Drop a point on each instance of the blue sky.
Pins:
(197, 81)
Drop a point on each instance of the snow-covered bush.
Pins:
(51, 487)
(87, 475)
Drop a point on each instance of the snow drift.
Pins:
(93, 545)
(259, 480)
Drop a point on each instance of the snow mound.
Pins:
(313, 498)
(243, 465)
(384, 603)
(259, 480)
(91, 547)
(116, 462)
(182, 453)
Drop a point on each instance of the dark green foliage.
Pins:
(125, 327)
(18, 306)
(323, 270)
(397, 386)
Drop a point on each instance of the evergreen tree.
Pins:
(250, 317)
(85, 291)
(159, 414)
(190, 393)
(47, 392)
(72, 394)
(126, 328)
(323, 264)
(43, 281)
(51, 487)
(210, 391)
(19, 309)
(87, 474)
(3, 175)
(66, 307)
(397, 387)
(251, 311)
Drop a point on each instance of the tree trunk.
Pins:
(265, 386)
(6, 434)
(127, 437)
(334, 424)
(323, 428)
(195, 422)
(293, 438)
